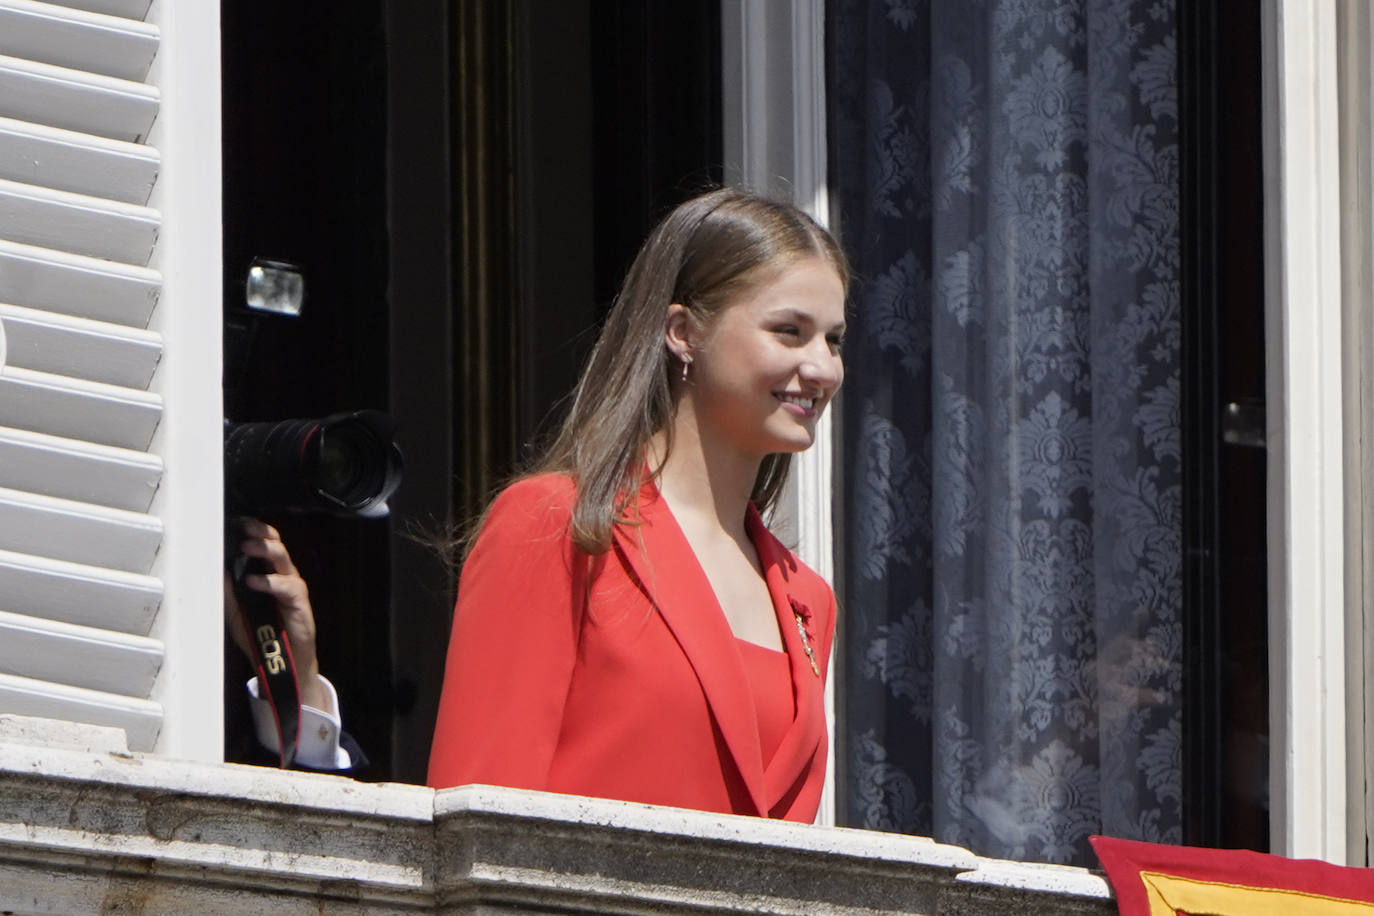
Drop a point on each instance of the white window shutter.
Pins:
(83, 437)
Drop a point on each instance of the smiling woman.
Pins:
(626, 626)
(765, 370)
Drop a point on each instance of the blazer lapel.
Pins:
(799, 744)
(683, 595)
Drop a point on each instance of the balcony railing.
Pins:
(86, 827)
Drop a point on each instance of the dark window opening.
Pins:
(1226, 714)
(463, 184)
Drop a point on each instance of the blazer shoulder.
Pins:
(542, 496)
(541, 486)
(530, 512)
(801, 579)
(809, 581)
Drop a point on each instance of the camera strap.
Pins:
(276, 668)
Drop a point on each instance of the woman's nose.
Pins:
(823, 367)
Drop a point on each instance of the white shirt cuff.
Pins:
(317, 746)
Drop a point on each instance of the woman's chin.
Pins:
(792, 444)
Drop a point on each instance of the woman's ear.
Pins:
(678, 331)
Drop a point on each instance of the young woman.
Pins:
(626, 627)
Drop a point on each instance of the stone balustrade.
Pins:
(87, 827)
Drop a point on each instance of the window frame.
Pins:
(1309, 445)
(190, 501)
(1355, 52)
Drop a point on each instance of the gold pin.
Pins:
(806, 644)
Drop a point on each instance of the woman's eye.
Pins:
(787, 330)
(836, 341)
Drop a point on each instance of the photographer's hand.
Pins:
(289, 590)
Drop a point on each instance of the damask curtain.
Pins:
(1006, 179)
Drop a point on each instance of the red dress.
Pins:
(620, 677)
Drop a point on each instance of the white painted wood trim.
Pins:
(77, 347)
(73, 100)
(88, 657)
(89, 596)
(139, 718)
(190, 438)
(78, 77)
(1304, 394)
(1355, 30)
(809, 142)
(78, 532)
(68, 37)
(128, 9)
(62, 406)
(77, 285)
(81, 163)
(773, 62)
(75, 469)
(77, 223)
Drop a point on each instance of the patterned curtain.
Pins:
(1006, 175)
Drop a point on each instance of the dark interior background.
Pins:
(1226, 637)
(463, 184)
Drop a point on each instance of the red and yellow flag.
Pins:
(1155, 880)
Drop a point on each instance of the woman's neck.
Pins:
(699, 482)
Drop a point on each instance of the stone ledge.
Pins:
(1043, 879)
(96, 760)
(86, 827)
(606, 856)
(510, 848)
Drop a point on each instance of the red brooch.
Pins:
(802, 613)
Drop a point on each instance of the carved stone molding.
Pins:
(86, 827)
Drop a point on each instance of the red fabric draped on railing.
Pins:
(1151, 879)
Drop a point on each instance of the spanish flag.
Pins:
(1155, 880)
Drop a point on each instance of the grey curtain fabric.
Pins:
(1006, 176)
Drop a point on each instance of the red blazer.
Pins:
(619, 677)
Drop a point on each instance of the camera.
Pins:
(346, 464)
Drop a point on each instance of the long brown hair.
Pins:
(703, 254)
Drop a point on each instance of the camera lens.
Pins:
(345, 464)
(340, 469)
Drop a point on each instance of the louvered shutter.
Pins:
(78, 412)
